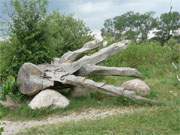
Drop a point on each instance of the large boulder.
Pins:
(47, 98)
(137, 85)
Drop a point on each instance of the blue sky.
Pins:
(94, 12)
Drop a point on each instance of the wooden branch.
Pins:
(34, 78)
(71, 56)
(114, 71)
(98, 86)
(31, 80)
(92, 59)
(103, 54)
(95, 58)
(103, 88)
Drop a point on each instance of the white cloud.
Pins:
(94, 12)
(94, 7)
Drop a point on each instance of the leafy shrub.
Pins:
(38, 37)
(66, 33)
(7, 52)
(8, 87)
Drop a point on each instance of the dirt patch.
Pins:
(12, 128)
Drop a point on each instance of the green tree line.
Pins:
(134, 25)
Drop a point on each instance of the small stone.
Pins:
(47, 98)
(137, 85)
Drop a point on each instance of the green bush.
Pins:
(66, 33)
(7, 52)
(8, 87)
(37, 37)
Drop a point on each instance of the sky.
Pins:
(94, 12)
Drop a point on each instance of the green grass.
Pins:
(152, 60)
(95, 100)
(154, 121)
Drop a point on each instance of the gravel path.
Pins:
(12, 128)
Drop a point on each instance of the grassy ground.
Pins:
(96, 100)
(155, 63)
(154, 121)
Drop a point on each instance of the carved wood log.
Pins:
(114, 71)
(98, 86)
(95, 58)
(71, 56)
(30, 79)
(34, 78)
(104, 53)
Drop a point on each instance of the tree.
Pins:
(38, 37)
(168, 23)
(66, 33)
(108, 29)
(147, 23)
(28, 32)
(125, 26)
(131, 26)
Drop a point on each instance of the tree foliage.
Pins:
(137, 26)
(168, 24)
(130, 25)
(28, 32)
(66, 33)
(37, 36)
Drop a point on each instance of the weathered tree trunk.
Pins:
(73, 55)
(34, 78)
(31, 79)
(113, 71)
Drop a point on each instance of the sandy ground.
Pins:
(12, 128)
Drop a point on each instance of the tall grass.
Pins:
(151, 59)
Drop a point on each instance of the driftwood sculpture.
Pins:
(71, 68)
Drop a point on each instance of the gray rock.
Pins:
(137, 85)
(47, 98)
